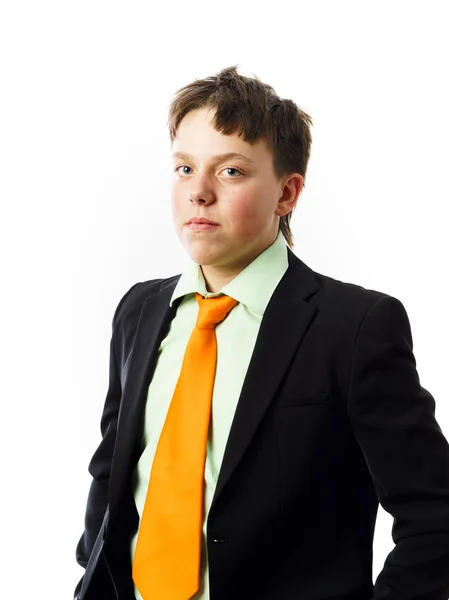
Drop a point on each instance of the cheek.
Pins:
(247, 213)
(178, 203)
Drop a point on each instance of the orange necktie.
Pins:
(167, 559)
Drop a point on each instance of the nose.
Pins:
(200, 193)
(199, 198)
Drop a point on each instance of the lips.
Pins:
(203, 226)
(201, 220)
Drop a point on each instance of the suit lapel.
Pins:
(283, 326)
(154, 322)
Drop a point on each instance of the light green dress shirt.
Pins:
(236, 338)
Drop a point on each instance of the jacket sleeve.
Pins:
(100, 464)
(393, 420)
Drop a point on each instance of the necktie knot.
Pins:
(213, 310)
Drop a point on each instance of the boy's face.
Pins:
(245, 198)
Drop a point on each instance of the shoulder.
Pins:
(130, 304)
(351, 301)
(330, 293)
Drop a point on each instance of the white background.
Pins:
(85, 207)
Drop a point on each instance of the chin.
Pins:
(201, 258)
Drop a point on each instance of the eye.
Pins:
(233, 169)
(181, 167)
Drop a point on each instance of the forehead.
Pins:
(197, 137)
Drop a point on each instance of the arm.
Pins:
(100, 464)
(393, 420)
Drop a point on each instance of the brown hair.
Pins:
(254, 109)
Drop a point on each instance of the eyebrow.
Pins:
(218, 157)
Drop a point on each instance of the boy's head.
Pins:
(250, 199)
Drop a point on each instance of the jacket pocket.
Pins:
(289, 400)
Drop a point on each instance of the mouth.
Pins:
(201, 220)
(203, 226)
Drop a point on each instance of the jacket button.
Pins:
(218, 541)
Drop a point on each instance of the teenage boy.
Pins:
(259, 411)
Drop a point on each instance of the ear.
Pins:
(292, 187)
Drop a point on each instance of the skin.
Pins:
(245, 198)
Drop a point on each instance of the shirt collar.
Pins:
(252, 287)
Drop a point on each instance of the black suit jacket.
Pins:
(331, 420)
